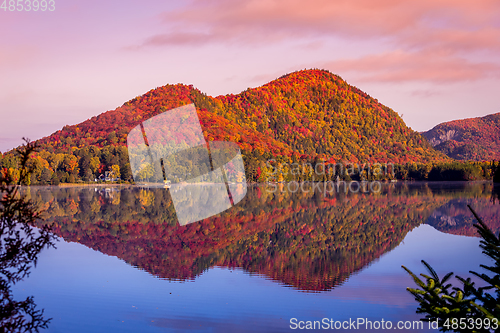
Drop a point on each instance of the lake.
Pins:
(278, 257)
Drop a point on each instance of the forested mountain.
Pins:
(468, 139)
(307, 115)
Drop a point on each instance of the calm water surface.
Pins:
(123, 264)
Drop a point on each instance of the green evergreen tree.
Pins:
(467, 308)
(20, 245)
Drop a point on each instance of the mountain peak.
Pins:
(307, 114)
(468, 139)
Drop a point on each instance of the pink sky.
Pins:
(429, 60)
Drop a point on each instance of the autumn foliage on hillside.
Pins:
(468, 139)
(303, 116)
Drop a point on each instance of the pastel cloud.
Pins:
(399, 66)
(292, 18)
(427, 40)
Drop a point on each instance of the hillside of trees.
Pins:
(475, 139)
(305, 116)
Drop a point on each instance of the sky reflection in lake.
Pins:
(274, 259)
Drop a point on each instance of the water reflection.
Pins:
(495, 194)
(20, 245)
(305, 240)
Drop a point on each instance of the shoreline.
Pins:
(399, 182)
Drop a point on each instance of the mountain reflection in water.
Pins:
(304, 240)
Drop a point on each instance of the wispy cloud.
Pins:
(425, 93)
(425, 40)
(230, 20)
(400, 66)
